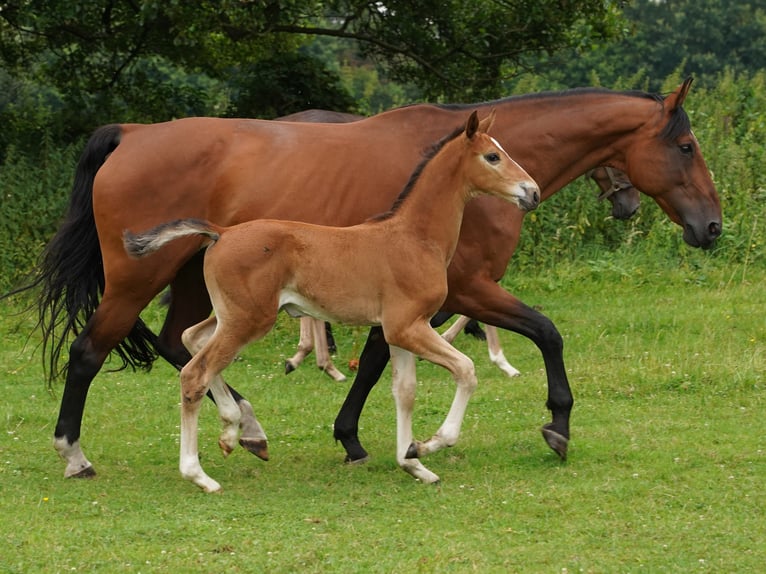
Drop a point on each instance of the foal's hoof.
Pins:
(87, 472)
(412, 451)
(558, 442)
(258, 447)
(289, 367)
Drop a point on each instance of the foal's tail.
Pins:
(70, 273)
(150, 241)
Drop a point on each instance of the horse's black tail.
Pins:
(70, 274)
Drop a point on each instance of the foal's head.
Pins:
(490, 170)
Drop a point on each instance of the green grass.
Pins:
(666, 469)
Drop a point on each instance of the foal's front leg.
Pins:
(428, 345)
(404, 382)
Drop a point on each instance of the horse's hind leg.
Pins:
(403, 388)
(194, 338)
(112, 322)
(496, 352)
(205, 366)
(450, 334)
(189, 305)
(305, 345)
(324, 362)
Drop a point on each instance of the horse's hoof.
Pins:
(356, 462)
(258, 447)
(289, 367)
(412, 451)
(558, 442)
(87, 472)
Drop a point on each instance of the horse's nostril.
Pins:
(714, 229)
(536, 198)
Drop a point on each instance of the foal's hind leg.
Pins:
(194, 338)
(189, 305)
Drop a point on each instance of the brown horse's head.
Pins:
(618, 189)
(668, 165)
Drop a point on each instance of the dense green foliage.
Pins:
(728, 118)
(70, 66)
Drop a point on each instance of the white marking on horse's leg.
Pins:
(76, 464)
(305, 345)
(324, 362)
(496, 352)
(228, 412)
(194, 338)
(404, 381)
(195, 380)
(189, 464)
(450, 334)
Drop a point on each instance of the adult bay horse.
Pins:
(233, 170)
(614, 185)
(397, 279)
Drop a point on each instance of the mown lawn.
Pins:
(666, 472)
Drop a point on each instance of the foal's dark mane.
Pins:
(428, 154)
(679, 121)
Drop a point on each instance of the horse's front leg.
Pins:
(427, 344)
(372, 363)
(403, 388)
(489, 303)
(496, 354)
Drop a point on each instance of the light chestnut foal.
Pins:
(398, 261)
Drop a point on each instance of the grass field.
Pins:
(666, 470)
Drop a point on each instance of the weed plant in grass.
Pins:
(665, 474)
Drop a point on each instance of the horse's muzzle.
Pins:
(531, 197)
(704, 237)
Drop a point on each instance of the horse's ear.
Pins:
(676, 99)
(472, 125)
(487, 122)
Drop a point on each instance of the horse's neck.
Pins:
(561, 137)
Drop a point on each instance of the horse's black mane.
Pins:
(679, 121)
(428, 154)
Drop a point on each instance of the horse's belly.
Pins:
(348, 313)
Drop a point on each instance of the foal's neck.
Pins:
(433, 210)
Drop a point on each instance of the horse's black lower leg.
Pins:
(372, 362)
(474, 329)
(331, 346)
(83, 367)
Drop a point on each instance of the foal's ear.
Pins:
(676, 99)
(472, 125)
(487, 122)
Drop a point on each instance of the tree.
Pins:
(688, 37)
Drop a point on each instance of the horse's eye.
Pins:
(686, 149)
(492, 157)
